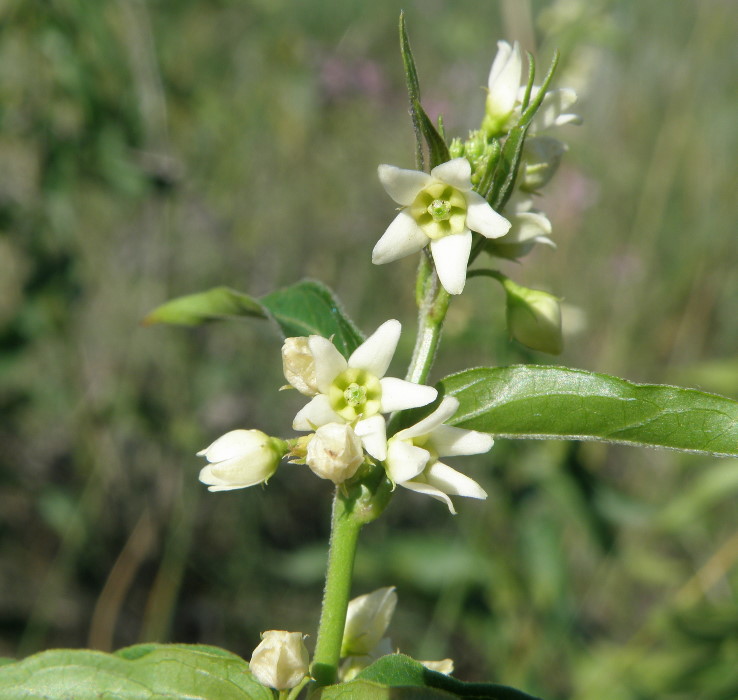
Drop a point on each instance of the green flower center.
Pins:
(355, 393)
(440, 210)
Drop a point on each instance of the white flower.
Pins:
(503, 84)
(367, 619)
(335, 452)
(444, 666)
(553, 109)
(412, 456)
(357, 392)
(529, 226)
(239, 459)
(534, 317)
(281, 661)
(440, 209)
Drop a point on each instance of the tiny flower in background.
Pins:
(440, 209)
(534, 318)
(356, 391)
(503, 85)
(335, 452)
(299, 366)
(412, 456)
(367, 619)
(281, 660)
(241, 458)
(529, 226)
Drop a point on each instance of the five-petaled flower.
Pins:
(356, 391)
(412, 456)
(439, 208)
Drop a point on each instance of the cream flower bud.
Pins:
(298, 364)
(367, 619)
(444, 666)
(534, 318)
(335, 452)
(241, 458)
(281, 661)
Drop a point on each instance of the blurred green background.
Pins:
(153, 149)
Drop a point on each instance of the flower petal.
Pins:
(402, 185)
(451, 256)
(482, 218)
(504, 78)
(428, 490)
(375, 353)
(456, 172)
(227, 446)
(403, 237)
(448, 441)
(238, 473)
(373, 434)
(316, 413)
(329, 363)
(397, 394)
(452, 482)
(552, 110)
(448, 406)
(404, 461)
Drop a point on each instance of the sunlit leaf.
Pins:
(143, 672)
(215, 304)
(560, 403)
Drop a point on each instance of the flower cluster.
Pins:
(346, 419)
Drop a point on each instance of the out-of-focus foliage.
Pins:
(154, 149)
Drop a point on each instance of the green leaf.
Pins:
(215, 304)
(305, 308)
(310, 308)
(559, 403)
(399, 677)
(142, 672)
(422, 125)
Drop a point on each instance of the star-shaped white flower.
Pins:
(412, 456)
(440, 209)
(357, 392)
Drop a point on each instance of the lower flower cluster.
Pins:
(345, 419)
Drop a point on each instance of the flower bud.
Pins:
(367, 619)
(281, 661)
(298, 364)
(533, 318)
(241, 458)
(335, 452)
(444, 666)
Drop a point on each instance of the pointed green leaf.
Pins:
(422, 125)
(215, 304)
(399, 677)
(144, 672)
(310, 308)
(559, 403)
(305, 308)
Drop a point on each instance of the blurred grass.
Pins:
(156, 149)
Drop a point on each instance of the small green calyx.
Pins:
(355, 393)
(440, 210)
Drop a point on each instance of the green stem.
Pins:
(345, 529)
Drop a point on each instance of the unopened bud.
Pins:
(298, 364)
(281, 661)
(534, 318)
(367, 619)
(335, 452)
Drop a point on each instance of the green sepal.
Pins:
(305, 308)
(539, 402)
